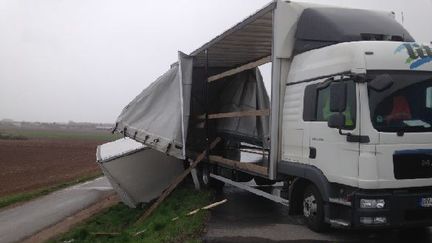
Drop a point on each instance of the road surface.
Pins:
(249, 218)
(29, 218)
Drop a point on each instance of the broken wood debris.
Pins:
(140, 232)
(203, 208)
(105, 233)
(177, 181)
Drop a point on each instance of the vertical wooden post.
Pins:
(206, 103)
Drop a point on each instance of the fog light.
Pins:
(372, 203)
(373, 220)
(366, 220)
(380, 203)
(380, 220)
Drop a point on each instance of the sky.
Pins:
(84, 60)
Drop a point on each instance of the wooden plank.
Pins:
(176, 182)
(239, 165)
(207, 207)
(240, 69)
(265, 112)
(202, 208)
(105, 233)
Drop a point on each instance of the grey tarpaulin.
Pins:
(242, 92)
(158, 117)
(165, 115)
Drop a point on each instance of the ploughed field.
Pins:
(40, 159)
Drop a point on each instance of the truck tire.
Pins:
(313, 209)
(206, 181)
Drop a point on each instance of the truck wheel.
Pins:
(313, 209)
(206, 181)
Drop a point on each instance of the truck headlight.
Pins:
(372, 203)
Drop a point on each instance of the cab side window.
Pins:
(323, 105)
(317, 104)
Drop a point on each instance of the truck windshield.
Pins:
(404, 107)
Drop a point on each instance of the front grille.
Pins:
(418, 215)
(413, 164)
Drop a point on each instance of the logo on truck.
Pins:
(418, 55)
(426, 163)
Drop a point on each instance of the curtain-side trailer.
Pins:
(345, 134)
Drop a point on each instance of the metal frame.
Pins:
(253, 190)
(274, 111)
(235, 28)
(246, 45)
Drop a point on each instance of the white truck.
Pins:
(347, 133)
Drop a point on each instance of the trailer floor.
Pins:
(250, 218)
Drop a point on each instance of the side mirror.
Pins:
(381, 83)
(338, 97)
(336, 121)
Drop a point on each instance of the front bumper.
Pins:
(402, 209)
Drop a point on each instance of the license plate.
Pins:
(426, 202)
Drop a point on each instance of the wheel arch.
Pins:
(305, 175)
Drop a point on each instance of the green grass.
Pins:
(26, 196)
(159, 227)
(59, 134)
(6, 136)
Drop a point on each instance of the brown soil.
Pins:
(26, 165)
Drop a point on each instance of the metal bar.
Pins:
(274, 116)
(265, 112)
(236, 55)
(240, 69)
(253, 190)
(260, 170)
(249, 51)
(225, 63)
(243, 42)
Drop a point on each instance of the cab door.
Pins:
(330, 151)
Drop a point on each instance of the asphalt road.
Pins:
(249, 218)
(29, 218)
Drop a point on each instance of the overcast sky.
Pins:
(84, 60)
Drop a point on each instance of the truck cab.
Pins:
(357, 123)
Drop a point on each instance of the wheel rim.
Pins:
(310, 206)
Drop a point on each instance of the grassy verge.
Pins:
(26, 196)
(6, 136)
(119, 221)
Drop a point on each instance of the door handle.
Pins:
(312, 153)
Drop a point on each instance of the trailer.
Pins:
(344, 135)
